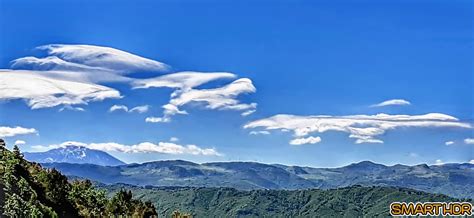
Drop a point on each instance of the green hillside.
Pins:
(355, 201)
(28, 190)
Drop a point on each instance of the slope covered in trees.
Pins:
(355, 201)
(28, 190)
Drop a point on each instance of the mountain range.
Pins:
(456, 180)
(74, 154)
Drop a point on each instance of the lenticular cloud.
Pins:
(363, 128)
(75, 75)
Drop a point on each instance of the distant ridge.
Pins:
(74, 154)
(456, 180)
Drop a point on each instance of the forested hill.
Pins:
(355, 201)
(28, 190)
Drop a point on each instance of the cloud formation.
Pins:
(41, 91)
(143, 147)
(138, 109)
(392, 102)
(308, 140)
(104, 58)
(6, 131)
(71, 75)
(363, 128)
(74, 74)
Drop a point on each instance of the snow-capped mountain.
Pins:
(74, 154)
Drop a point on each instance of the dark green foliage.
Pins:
(122, 203)
(28, 190)
(355, 201)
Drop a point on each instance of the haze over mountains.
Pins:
(455, 180)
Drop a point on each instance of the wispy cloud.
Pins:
(6, 131)
(137, 109)
(363, 128)
(182, 80)
(392, 102)
(143, 147)
(71, 108)
(261, 132)
(449, 143)
(19, 142)
(308, 140)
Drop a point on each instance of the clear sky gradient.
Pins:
(336, 58)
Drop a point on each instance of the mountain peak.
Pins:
(74, 154)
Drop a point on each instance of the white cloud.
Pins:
(174, 139)
(71, 75)
(438, 162)
(71, 108)
(246, 113)
(19, 142)
(308, 140)
(138, 109)
(262, 132)
(221, 98)
(118, 107)
(471, 161)
(40, 91)
(392, 102)
(6, 131)
(143, 147)
(157, 120)
(103, 57)
(449, 143)
(364, 128)
(469, 141)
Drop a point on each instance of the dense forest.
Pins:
(354, 201)
(28, 190)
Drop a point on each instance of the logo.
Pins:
(431, 208)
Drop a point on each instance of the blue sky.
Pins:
(305, 59)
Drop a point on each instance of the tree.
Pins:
(88, 200)
(28, 190)
(17, 152)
